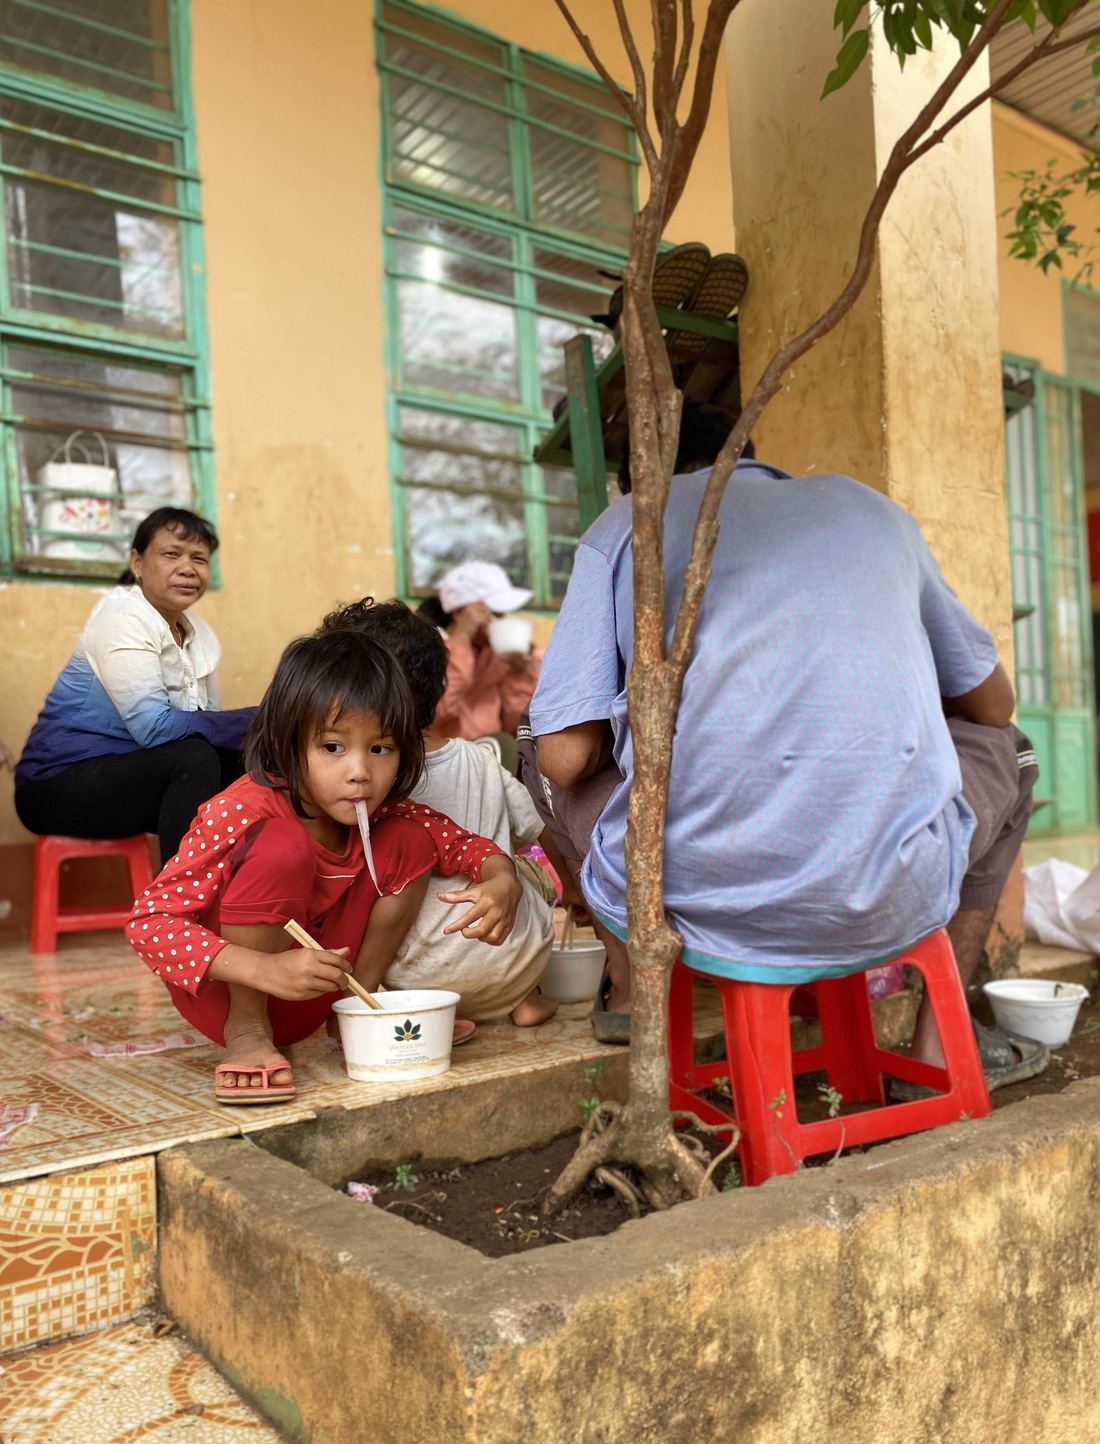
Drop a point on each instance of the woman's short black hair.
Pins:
(704, 430)
(184, 524)
(411, 637)
(318, 680)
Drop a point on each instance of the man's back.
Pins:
(815, 815)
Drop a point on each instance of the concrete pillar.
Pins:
(906, 394)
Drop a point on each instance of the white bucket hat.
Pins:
(481, 582)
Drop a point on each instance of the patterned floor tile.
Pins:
(94, 1109)
(77, 1251)
(123, 1385)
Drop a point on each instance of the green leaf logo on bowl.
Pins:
(407, 1032)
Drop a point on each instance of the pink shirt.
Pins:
(483, 694)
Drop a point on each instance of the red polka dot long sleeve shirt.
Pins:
(174, 924)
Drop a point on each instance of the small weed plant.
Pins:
(405, 1178)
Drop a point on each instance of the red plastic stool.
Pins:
(761, 1066)
(48, 918)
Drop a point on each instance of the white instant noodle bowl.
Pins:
(410, 1037)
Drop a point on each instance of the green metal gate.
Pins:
(1050, 601)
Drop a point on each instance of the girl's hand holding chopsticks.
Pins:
(296, 975)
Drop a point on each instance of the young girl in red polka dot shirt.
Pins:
(337, 726)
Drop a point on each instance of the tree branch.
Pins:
(686, 43)
(1043, 51)
(629, 104)
(635, 61)
(691, 132)
(665, 25)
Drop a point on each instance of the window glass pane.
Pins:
(479, 515)
(129, 458)
(563, 527)
(576, 186)
(120, 46)
(445, 141)
(76, 254)
(453, 254)
(445, 528)
(450, 341)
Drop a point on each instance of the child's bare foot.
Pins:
(533, 1010)
(251, 1049)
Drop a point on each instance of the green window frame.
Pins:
(102, 289)
(509, 186)
(1050, 598)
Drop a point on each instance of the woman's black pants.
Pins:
(157, 789)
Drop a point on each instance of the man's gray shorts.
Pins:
(998, 774)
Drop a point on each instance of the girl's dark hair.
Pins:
(410, 636)
(432, 608)
(319, 679)
(184, 524)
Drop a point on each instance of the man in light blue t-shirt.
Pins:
(823, 813)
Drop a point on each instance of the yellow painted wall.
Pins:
(1031, 303)
(286, 101)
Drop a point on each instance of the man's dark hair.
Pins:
(317, 681)
(410, 636)
(431, 608)
(184, 524)
(704, 430)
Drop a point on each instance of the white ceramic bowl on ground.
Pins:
(573, 974)
(1036, 1008)
(508, 635)
(409, 1038)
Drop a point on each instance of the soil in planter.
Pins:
(494, 1206)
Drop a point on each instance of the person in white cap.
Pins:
(489, 681)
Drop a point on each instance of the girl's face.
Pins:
(352, 759)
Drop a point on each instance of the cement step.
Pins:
(1062, 965)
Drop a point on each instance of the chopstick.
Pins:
(299, 934)
(568, 931)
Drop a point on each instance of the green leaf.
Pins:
(846, 14)
(849, 58)
(923, 27)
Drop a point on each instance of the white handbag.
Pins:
(85, 501)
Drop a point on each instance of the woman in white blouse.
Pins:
(132, 737)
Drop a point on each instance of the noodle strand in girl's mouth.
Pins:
(364, 833)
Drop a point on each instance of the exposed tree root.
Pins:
(670, 1169)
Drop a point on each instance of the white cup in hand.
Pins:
(509, 636)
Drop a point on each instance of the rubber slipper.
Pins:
(265, 1093)
(464, 1031)
(608, 1027)
(718, 293)
(997, 1053)
(676, 276)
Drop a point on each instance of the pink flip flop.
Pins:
(265, 1093)
(464, 1031)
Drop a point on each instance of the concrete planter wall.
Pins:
(943, 1288)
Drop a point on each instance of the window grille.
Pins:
(509, 190)
(102, 304)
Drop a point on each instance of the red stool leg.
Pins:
(758, 1045)
(48, 857)
(848, 1038)
(936, 960)
(136, 852)
(681, 1018)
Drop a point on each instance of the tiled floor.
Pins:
(95, 1109)
(120, 1386)
(77, 1251)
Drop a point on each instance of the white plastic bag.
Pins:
(1062, 905)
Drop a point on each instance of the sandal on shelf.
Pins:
(265, 1093)
(1000, 1063)
(608, 1027)
(676, 276)
(718, 293)
(464, 1031)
